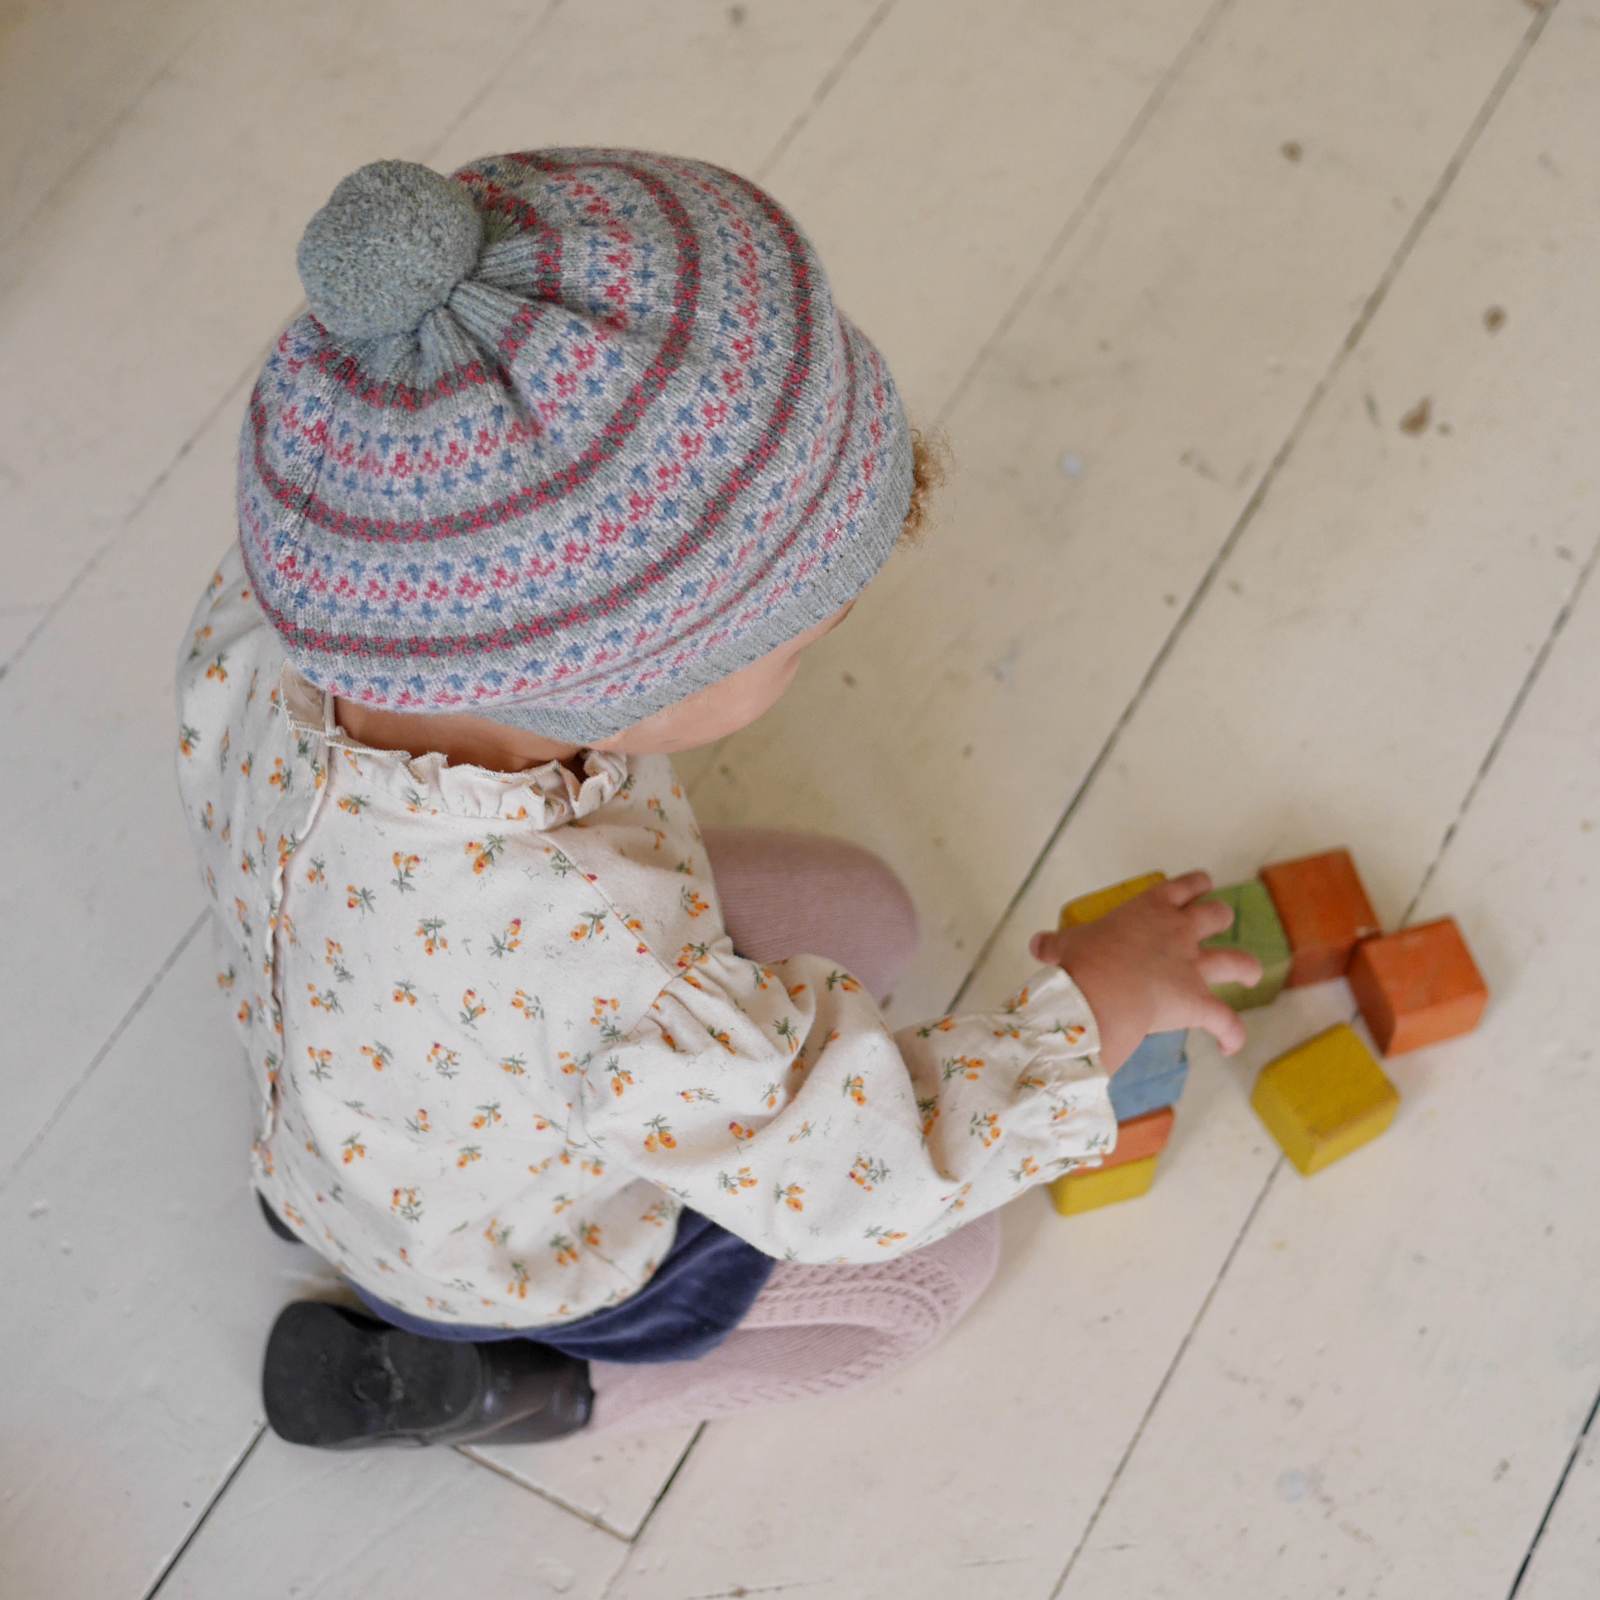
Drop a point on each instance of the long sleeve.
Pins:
(776, 1100)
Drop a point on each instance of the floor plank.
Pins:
(1389, 1380)
(406, 1525)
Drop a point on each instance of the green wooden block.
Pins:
(1256, 928)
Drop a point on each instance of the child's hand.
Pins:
(1142, 969)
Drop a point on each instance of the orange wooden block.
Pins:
(1418, 986)
(1324, 910)
(1139, 1137)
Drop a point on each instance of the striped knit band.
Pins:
(579, 450)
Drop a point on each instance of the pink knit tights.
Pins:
(812, 1330)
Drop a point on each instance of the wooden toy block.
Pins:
(1152, 1077)
(1258, 930)
(1078, 1192)
(1089, 908)
(1324, 911)
(1143, 1136)
(1418, 986)
(1325, 1098)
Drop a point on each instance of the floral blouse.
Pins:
(499, 1038)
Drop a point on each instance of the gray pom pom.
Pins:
(391, 243)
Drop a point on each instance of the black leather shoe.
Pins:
(275, 1222)
(339, 1380)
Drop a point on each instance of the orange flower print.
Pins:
(660, 1135)
(353, 1149)
(528, 1004)
(208, 817)
(698, 1096)
(884, 1236)
(943, 1025)
(281, 777)
(968, 1067)
(771, 1095)
(246, 865)
(225, 980)
(471, 1008)
(321, 1063)
(1028, 1168)
(660, 837)
(324, 999)
(740, 1132)
(406, 1203)
(802, 1132)
(594, 1166)
(868, 1172)
(486, 854)
(405, 869)
(589, 1235)
(419, 1124)
(593, 926)
(515, 1066)
(188, 739)
(562, 1202)
(928, 1110)
(621, 1078)
(244, 1014)
(566, 1252)
(692, 902)
(444, 1061)
(785, 1029)
(488, 1116)
(653, 804)
(843, 980)
(736, 1182)
(794, 990)
(721, 1038)
(502, 944)
(496, 1233)
(855, 1088)
(518, 1287)
(405, 992)
(431, 932)
(467, 1154)
(317, 871)
(571, 1067)
(380, 1055)
(359, 899)
(657, 1214)
(603, 1006)
(354, 804)
(333, 956)
(1009, 1031)
(1017, 1001)
(792, 1195)
(1072, 1032)
(218, 671)
(985, 1128)
(204, 632)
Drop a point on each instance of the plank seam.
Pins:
(1269, 477)
(105, 1049)
(1561, 1483)
(551, 1499)
(210, 1506)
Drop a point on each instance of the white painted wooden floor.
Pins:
(1171, 273)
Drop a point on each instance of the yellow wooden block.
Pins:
(1325, 1098)
(1104, 1186)
(1091, 907)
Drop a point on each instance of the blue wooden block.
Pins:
(1153, 1076)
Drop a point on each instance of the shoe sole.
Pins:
(330, 1382)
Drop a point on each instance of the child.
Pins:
(570, 459)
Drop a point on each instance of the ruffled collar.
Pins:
(543, 797)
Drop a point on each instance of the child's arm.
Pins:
(777, 1101)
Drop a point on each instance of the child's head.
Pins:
(574, 441)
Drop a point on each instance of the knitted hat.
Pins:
(563, 438)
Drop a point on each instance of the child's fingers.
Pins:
(1222, 1023)
(1229, 966)
(1043, 947)
(1209, 917)
(1190, 886)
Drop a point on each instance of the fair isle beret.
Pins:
(561, 439)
